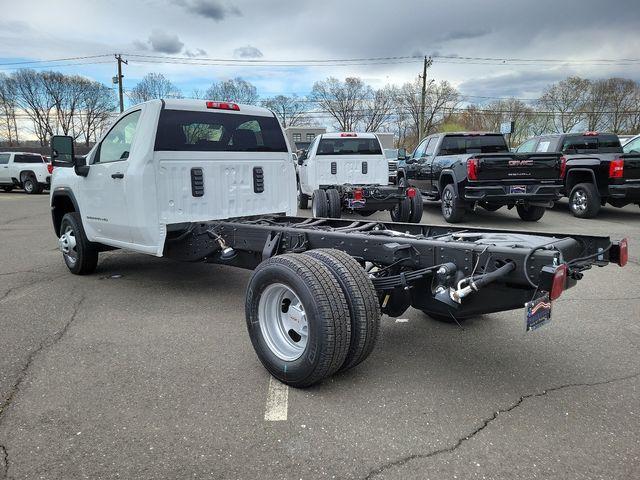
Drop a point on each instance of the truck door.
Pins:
(431, 168)
(306, 180)
(5, 175)
(104, 188)
(421, 175)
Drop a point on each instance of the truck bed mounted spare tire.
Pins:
(298, 319)
(362, 300)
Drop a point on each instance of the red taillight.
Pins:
(50, 168)
(411, 192)
(622, 253)
(358, 194)
(223, 106)
(563, 166)
(559, 281)
(348, 134)
(590, 134)
(472, 169)
(616, 168)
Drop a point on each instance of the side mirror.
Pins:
(62, 151)
(402, 154)
(302, 157)
(80, 166)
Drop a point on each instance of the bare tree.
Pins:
(154, 85)
(95, 111)
(33, 98)
(8, 102)
(341, 100)
(567, 100)
(234, 90)
(622, 100)
(289, 110)
(378, 107)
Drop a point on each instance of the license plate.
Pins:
(355, 204)
(518, 189)
(537, 312)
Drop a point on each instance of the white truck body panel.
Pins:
(317, 168)
(156, 188)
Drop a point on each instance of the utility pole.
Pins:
(118, 79)
(423, 96)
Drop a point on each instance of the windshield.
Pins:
(592, 144)
(182, 130)
(463, 144)
(349, 146)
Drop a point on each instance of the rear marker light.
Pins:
(472, 169)
(559, 281)
(563, 166)
(348, 134)
(358, 194)
(620, 255)
(223, 106)
(50, 168)
(616, 168)
(411, 192)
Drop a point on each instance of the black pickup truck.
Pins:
(469, 169)
(596, 171)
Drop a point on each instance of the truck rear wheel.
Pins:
(80, 255)
(333, 203)
(452, 206)
(417, 207)
(298, 319)
(362, 301)
(530, 213)
(30, 185)
(402, 211)
(319, 203)
(584, 200)
(303, 200)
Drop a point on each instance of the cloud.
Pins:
(212, 9)
(198, 52)
(247, 52)
(464, 34)
(163, 42)
(140, 45)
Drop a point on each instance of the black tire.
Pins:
(584, 200)
(417, 207)
(31, 186)
(491, 207)
(319, 204)
(402, 211)
(326, 314)
(453, 208)
(7, 189)
(530, 213)
(303, 200)
(333, 203)
(83, 259)
(362, 301)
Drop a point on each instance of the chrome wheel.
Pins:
(579, 201)
(283, 322)
(447, 203)
(67, 245)
(28, 186)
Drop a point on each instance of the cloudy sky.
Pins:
(574, 31)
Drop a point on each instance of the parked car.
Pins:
(467, 169)
(597, 170)
(225, 193)
(29, 171)
(392, 155)
(347, 171)
(632, 145)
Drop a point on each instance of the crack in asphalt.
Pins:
(15, 388)
(51, 278)
(485, 423)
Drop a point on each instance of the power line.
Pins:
(54, 60)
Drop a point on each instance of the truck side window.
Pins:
(543, 146)
(4, 158)
(431, 146)
(117, 144)
(419, 151)
(631, 147)
(527, 147)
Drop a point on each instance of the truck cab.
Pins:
(168, 163)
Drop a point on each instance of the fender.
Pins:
(25, 173)
(61, 192)
(574, 170)
(452, 173)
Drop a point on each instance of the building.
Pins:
(300, 137)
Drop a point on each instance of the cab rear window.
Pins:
(592, 144)
(467, 144)
(181, 130)
(349, 146)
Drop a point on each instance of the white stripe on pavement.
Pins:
(277, 401)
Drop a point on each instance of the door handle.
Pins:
(117, 175)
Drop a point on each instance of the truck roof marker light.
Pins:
(411, 192)
(472, 169)
(223, 106)
(591, 134)
(358, 194)
(563, 166)
(559, 281)
(616, 168)
(348, 134)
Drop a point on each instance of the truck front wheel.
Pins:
(298, 319)
(80, 256)
(333, 203)
(319, 203)
(584, 200)
(453, 209)
(530, 213)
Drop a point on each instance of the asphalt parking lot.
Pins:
(144, 370)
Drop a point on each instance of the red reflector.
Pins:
(590, 134)
(50, 168)
(223, 106)
(348, 134)
(563, 166)
(472, 169)
(411, 192)
(358, 194)
(616, 168)
(623, 252)
(559, 281)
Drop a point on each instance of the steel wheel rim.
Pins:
(68, 245)
(579, 201)
(283, 322)
(28, 186)
(447, 203)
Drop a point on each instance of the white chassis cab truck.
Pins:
(204, 181)
(347, 171)
(29, 171)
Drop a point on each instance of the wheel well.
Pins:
(24, 174)
(575, 178)
(445, 180)
(60, 206)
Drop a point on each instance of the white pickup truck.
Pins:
(29, 171)
(196, 180)
(347, 171)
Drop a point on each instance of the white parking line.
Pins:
(402, 320)
(277, 401)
